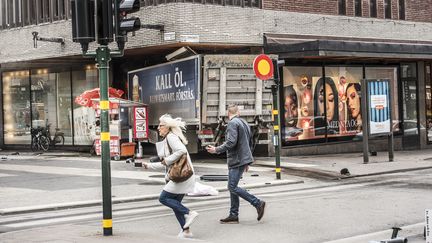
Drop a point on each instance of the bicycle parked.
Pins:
(58, 136)
(38, 140)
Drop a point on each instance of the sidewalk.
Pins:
(133, 184)
(331, 165)
(59, 180)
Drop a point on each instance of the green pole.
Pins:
(103, 58)
(276, 130)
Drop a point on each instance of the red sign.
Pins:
(263, 67)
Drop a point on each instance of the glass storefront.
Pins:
(40, 98)
(16, 107)
(324, 103)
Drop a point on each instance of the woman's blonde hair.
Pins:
(176, 126)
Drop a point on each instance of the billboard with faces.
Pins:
(316, 107)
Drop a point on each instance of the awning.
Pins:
(295, 46)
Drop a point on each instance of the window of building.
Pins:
(326, 109)
(84, 117)
(33, 12)
(16, 106)
(387, 9)
(1, 15)
(358, 8)
(38, 98)
(373, 8)
(16, 13)
(402, 9)
(342, 7)
(343, 106)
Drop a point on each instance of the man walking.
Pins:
(237, 145)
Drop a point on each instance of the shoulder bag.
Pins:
(180, 170)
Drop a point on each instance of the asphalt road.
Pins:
(354, 210)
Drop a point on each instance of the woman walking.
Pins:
(173, 149)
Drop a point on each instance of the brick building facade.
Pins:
(225, 27)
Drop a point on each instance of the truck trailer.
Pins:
(199, 89)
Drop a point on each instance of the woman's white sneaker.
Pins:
(183, 234)
(190, 219)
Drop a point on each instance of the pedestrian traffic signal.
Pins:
(83, 25)
(123, 24)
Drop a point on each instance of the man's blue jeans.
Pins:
(234, 176)
(173, 201)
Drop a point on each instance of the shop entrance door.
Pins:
(410, 125)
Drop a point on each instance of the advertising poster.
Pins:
(114, 146)
(379, 112)
(140, 123)
(168, 88)
(315, 107)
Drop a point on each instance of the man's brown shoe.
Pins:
(229, 220)
(260, 210)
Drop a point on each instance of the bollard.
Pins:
(394, 238)
(140, 151)
(395, 232)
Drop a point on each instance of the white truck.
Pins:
(198, 89)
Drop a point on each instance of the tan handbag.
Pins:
(180, 170)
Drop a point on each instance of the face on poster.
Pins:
(312, 103)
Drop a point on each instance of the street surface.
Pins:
(348, 210)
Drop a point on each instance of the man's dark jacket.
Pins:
(237, 143)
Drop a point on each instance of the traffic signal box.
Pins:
(111, 19)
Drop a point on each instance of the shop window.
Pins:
(84, 118)
(303, 118)
(358, 8)
(373, 8)
(64, 107)
(409, 97)
(343, 106)
(402, 9)
(16, 106)
(387, 9)
(342, 7)
(2, 21)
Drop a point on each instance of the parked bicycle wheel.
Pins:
(44, 143)
(59, 140)
(35, 144)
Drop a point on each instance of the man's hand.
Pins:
(163, 162)
(246, 168)
(145, 165)
(211, 149)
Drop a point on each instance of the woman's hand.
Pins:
(163, 162)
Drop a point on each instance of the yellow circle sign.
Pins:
(263, 67)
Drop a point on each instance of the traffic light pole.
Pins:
(93, 21)
(103, 58)
(276, 131)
